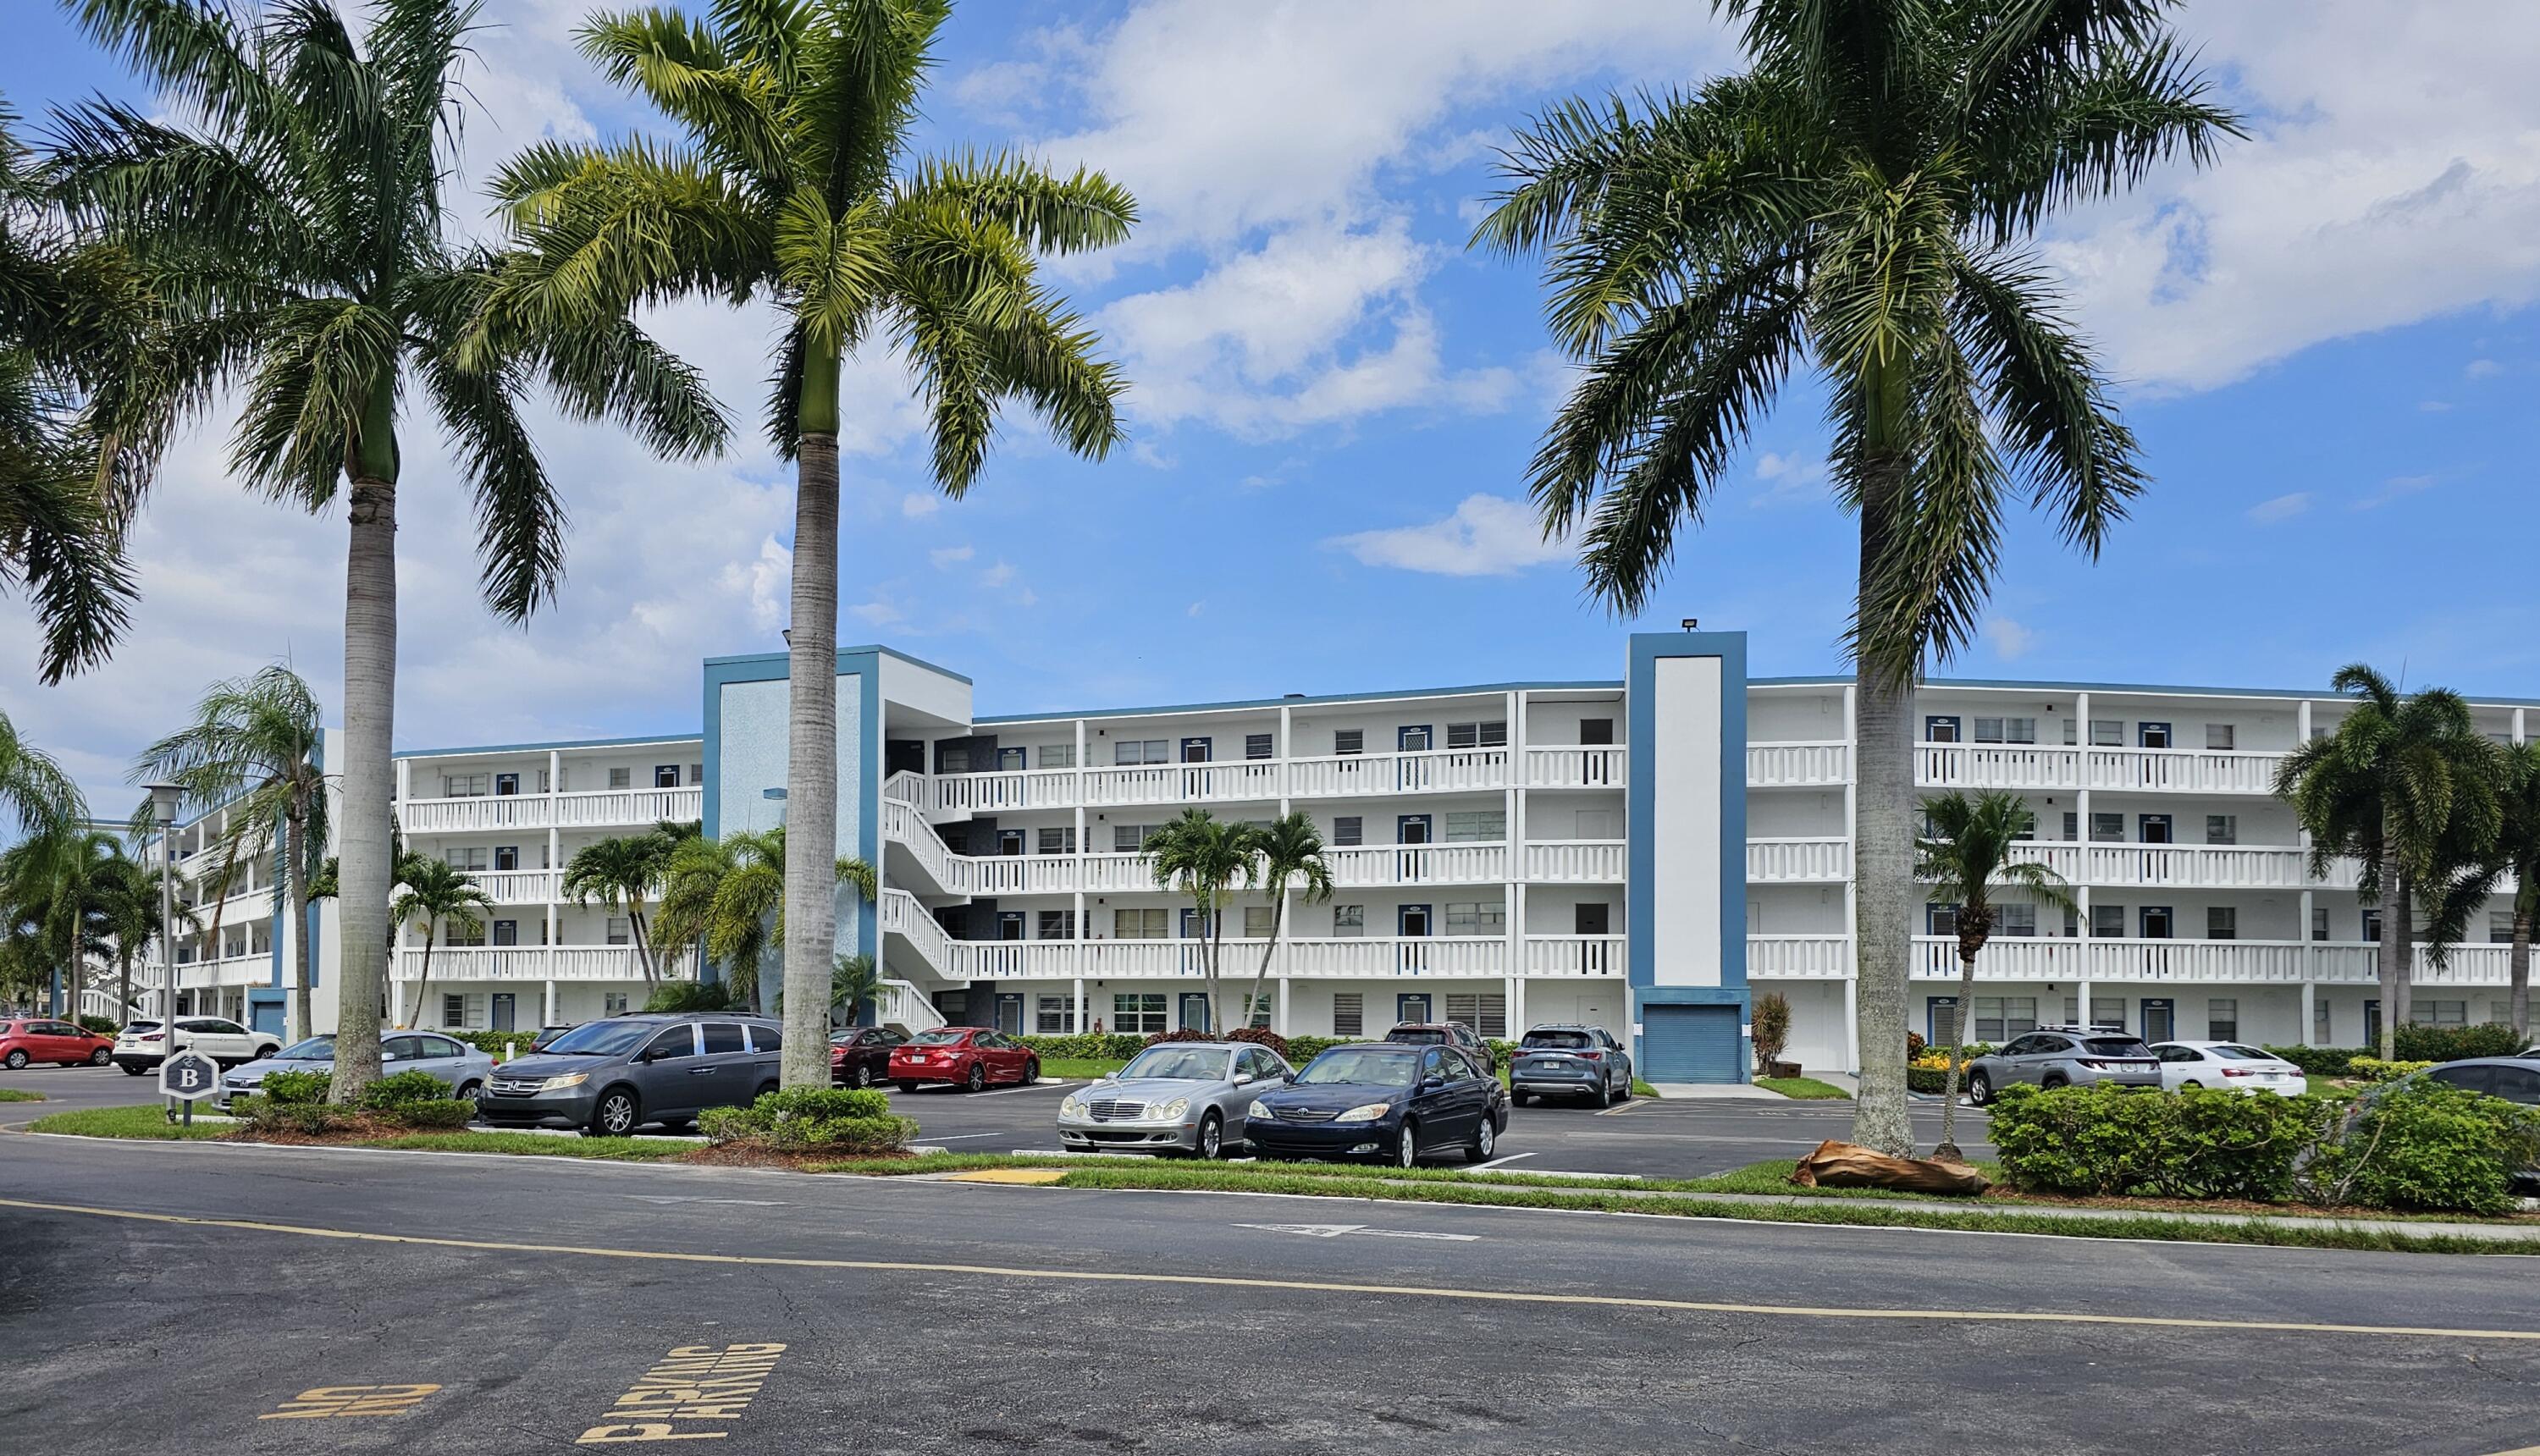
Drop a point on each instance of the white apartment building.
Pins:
(1646, 853)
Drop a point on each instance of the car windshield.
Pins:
(2241, 1053)
(941, 1037)
(1568, 1041)
(1178, 1064)
(1360, 1065)
(601, 1038)
(140, 1026)
(2115, 1046)
(315, 1049)
(1418, 1036)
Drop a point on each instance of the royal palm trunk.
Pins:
(2518, 972)
(1884, 872)
(1278, 916)
(811, 736)
(364, 865)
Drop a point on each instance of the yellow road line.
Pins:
(1317, 1286)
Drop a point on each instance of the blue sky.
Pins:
(2327, 346)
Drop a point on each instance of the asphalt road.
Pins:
(931, 1317)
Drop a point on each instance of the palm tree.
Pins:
(1203, 857)
(2407, 788)
(852, 982)
(794, 182)
(129, 906)
(434, 893)
(1968, 848)
(729, 895)
(1855, 200)
(1287, 852)
(620, 874)
(36, 794)
(56, 883)
(254, 747)
(298, 201)
(2513, 856)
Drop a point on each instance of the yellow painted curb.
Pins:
(1007, 1175)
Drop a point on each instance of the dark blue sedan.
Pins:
(1382, 1100)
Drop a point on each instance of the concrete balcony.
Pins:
(247, 968)
(1808, 957)
(1576, 862)
(2132, 770)
(519, 886)
(457, 963)
(1575, 768)
(1816, 764)
(628, 808)
(1798, 861)
(1373, 958)
(1416, 865)
(1574, 956)
(2196, 866)
(1459, 770)
(1242, 781)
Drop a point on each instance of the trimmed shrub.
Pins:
(1106, 1046)
(838, 1120)
(2373, 1068)
(2102, 1141)
(102, 1025)
(264, 1115)
(1305, 1049)
(689, 996)
(447, 1115)
(2319, 1061)
(295, 1088)
(1257, 1035)
(2453, 1043)
(491, 1043)
(2426, 1145)
(398, 1088)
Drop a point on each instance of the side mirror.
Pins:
(387, 1056)
(1244, 1078)
(1431, 1082)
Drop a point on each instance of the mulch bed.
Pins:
(737, 1155)
(2244, 1208)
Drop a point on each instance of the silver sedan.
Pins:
(1178, 1097)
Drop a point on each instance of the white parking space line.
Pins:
(1497, 1161)
(1044, 1086)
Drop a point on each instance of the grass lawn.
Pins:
(1804, 1088)
(151, 1124)
(20, 1094)
(1079, 1068)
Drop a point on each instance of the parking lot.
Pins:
(1642, 1137)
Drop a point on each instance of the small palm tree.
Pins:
(437, 893)
(728, 894)
(254, 747)
(36, 794)
(2513, 856)
(620, 874)
(794, 181)
(2408, 788)
(1854, 202)
(1286, 854)
(57, 884)
(129, 905)
(297, 201)
(1969, 847)
(1203, 857)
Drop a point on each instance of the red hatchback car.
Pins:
(967, 1056)
(22, 1042)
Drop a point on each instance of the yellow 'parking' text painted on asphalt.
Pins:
(328, 1402)
(692, 1383)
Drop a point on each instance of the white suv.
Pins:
(143, 1045)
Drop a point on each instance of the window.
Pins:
(667, 776)
(453, 1013)
(1484, 1011)
(2319, 924)
(1138, 1012)
(1260, 1017)
(1482, 826)
(461, 933)
(2218, 735)
(2223, 1018)
(2107, 732)
(2222, 923)
(1129, 839)
(507, 783)
(2438, 1013)
(2006, 730)
(1476, 918)
(2105, 1016)
(2072, 826)
(2500, 926)
(2319, 1027)
(1477, 734)
(1348, 829)
(1596, 732)
(507, 933)
(465, 785)
(766, 1039)
(674, 1041)
(1057, 839)
(953, 759)
(2108, 922)
(2072, 732)
(1055, 925)
(1149, 924)
(621, 778)
(2221, 829)
(1142, 750)
(2156, 923)
(723, 1037)
(1058, 756)
(1257, 922)
(2372, 925)
(507, 857)
(2001, 1018)
(612, 1002)
(2107, 828)
(2152, 735)
(1939, 919)
(1348, 1011)
(1349, 740)
(696, 773)
(1257, 745)
(1349, 920)
(621, 931)
(472, 858)
(1940, 729)
(2016, 920)
(1054, 1016)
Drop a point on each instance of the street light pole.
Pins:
(164, 798)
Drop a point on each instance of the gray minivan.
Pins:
(609, 1077)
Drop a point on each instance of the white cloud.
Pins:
(2280, 508)
(2397, 488)
(1193, 609)
(877, 612)
(1487, 535)
(946, 556)
(917, 505)
(1789, 479)
(999, 574)
(2011, 640)
(2482, 368)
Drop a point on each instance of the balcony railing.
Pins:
(1798, 861)
(247, 968)
(1576, 862)
(1574, 768)
(1372, 956)
(606, 807)
(1412, 865)
(518, 886)
(1797, 765)
(1256, 781)
(2031, 766)
(1814, 958)
(1355, 774)
(1574, 956)
(453, 963)
(2060, 961)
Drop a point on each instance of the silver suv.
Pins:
(2063, 1056)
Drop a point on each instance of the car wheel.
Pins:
(99, 1058)
(1979, 1088)
(1212, 1137)
(131, 1071)
(1518, 1098)
(1615, 1096)
(1031, 1072)
(467, 1091)
(16, 1060)
(2052, 1080)
(977, 1078)
(1406, 1152)
(1484, 1140)
(907, 1086)
(2190, 1085)
(616, 1115)
(864, 1075)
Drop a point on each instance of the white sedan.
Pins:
(2230, 1065)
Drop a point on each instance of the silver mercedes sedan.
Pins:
(1177, 1097)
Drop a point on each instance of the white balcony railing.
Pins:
(1352, 956)
(1798, 861)
(1576, 862)
(2219, 866)
(1797, 765)
(1574, 768)
(1574, 956)
(904, 916)
(2031, 766)
(518, 886)
(1814, 958)
(959, 796)
(900, 1003)
(247, 968)
(630, 808)
(1369, 774)
(454, 963)
(906, 788)
(1422, 864)
(1996, 766)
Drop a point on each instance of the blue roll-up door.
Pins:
(1689, 1044)
(265, 1016)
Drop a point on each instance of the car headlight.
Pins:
(1068, 1106)
(559, 1084)
(1367, 1114)
(1169, 1111)
(1258, 1109)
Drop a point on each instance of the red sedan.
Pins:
(967, 1056)
(22, 1042)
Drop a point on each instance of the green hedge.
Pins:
(2319, 1061)
(102, 1025)
(402, 1089)
(2373, 1068)
(491, 1043)
(1106, 1046)
(2099, 1141)
(295, 1088)
(2428, 1145)
(2453, 1043)
(836, 1120)
(264, 1114)
(689, 996)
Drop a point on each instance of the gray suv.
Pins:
(609, 1077)
(2063, 1056)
